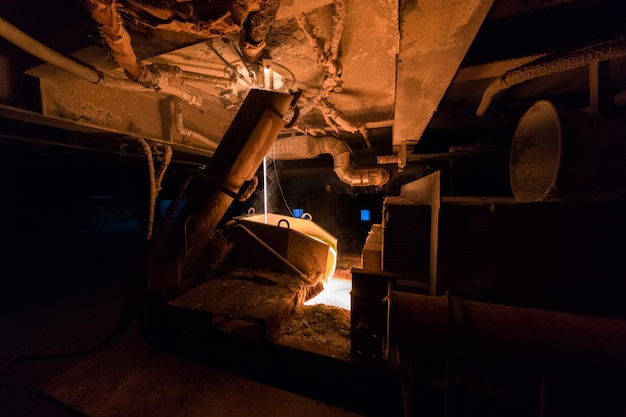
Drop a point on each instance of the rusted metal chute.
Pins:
(176, 252)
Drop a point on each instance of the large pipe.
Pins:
(117, 39)
(35, 48)
(547, 66)
(174, 255)
(436, 325)
(307, 147)
(39, 50)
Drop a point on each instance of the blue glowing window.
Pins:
(365, 215)
(298, 212)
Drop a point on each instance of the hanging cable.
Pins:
(280, 188)
(155, 182)
(233, 68)
(251, 72)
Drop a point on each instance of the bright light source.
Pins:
(298, 213)
(336, 293)
(365, 215)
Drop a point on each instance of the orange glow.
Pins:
(336, 293)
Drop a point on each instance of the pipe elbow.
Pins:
(363, 177)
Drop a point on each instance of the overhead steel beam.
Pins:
(434, 38)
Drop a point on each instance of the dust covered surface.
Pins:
(320, 329)
(248, 302)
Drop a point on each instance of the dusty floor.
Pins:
(62, 293)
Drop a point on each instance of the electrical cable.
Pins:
(251, 73)
(228, 64)
(280, 188)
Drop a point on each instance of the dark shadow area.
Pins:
(60, 292)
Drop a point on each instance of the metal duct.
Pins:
(543, 67)
(307, 147)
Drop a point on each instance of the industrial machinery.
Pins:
(439, 325)
(460, 305)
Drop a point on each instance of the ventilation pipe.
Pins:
(547, 66)
(307, 147)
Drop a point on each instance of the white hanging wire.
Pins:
(280, 188)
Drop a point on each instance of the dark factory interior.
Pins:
(321, 207)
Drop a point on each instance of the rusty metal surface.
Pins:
(308, 255)
(435, 37)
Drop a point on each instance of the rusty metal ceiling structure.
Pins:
(392, 82)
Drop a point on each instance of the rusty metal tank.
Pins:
(279, 242)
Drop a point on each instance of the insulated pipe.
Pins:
(256, 27)
(35, 48)
(307, 147)
(155, 179)
(334, 117)
(118, 41)
(547, 66)
(327, 53)
(180, 127)
(436, 325)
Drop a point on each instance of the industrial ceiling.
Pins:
(393, 83)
